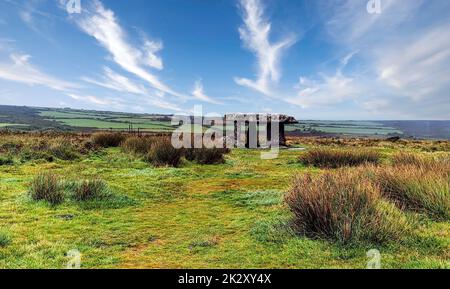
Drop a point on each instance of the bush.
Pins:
(332, 158)
(64, 151)
(5, 240)
(47, 187)
(31, 155)
(12, 146)
(417, 188)
(90, 190)
(403, 158)
(138, 145)
(206, 156)
(107, 140)
(6, 161)
(162, 153)
(343, 206)
(420, 161)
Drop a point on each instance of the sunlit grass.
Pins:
(228, 215)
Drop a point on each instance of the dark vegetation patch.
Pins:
(88, 193)
(199, 245)
(138, 145)
(345, 207)
(107, 139)
(5, 239)
(6, 160)
(252, 200)
(417, 183)
(88, 190)
(333, 158)
(162, 153)
(47, 187)
(207, 156)
(46, 147)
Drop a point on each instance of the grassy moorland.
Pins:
(121, 207)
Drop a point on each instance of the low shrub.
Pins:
(6, 160)
(138, 145)
(334, 158)
(106, 139)
(441, 164)
(162, 153)
(343, 206)
(5, 240)
(87, 190)
(47, 187)
(64, 151)
(403, 158)
(33, 155)
(206, 156)
(11, 147)
(417, 188)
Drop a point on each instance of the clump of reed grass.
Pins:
(343, 206)
(47, 187)
(206, 156)
(64, 150)
(107, 139)
(162, 153)
(6, 160)
(138, 145)
(92, 189)
(417, 188)
(336, 158)
(5, 239)
(430, 162)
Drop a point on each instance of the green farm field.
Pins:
(73, 120)
(225, 215)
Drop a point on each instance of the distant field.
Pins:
(105, 120)
(362, 128)
(104, 124)
(40, 119)
(11, 124)
(57, 114)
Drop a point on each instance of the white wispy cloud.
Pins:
(102, 24)
(199, 93)
(26, 16)
(404, 68)
(92, 99)
(420, 67)
(20, 70)
(329, 90)
(255, 34)
(113, 80)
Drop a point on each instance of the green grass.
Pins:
(218, 216)
(104, 124)
(11, 124)
(73, 115)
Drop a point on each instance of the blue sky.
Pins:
(310, 59)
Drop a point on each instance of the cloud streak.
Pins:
(255, 34)
(20, 70)
(102, 24)
(117, 82)
(199, 93)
